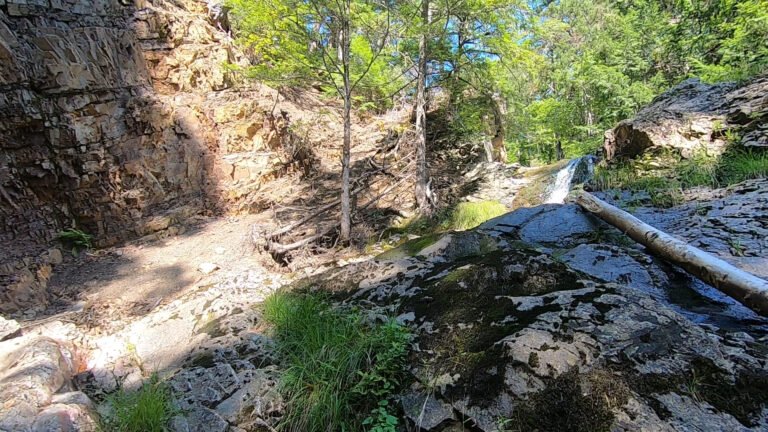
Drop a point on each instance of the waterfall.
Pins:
(563, 179)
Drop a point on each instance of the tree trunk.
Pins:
(559, 154)
(745, 287)
(497, 106)
(422, 176)
(455, 86)
(346, 211)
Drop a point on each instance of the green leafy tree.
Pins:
(299, 40)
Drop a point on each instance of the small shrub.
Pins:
(739, 165)
(338, 370)
(468, 215)
(148, 409)
(381, 420)
(75, 239)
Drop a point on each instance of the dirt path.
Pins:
(109, 288)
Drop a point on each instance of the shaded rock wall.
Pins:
(118, 118)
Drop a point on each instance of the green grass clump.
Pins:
(700, 170)
(148, 409)
(664, 183)
(462, 217)
(737, 166)
(468, 215)
(663, 191)
(339, 371)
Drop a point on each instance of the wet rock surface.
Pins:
(494, 181)
(576, 330)
(729, 223)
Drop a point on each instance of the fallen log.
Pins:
(745, 287)
(281, 249)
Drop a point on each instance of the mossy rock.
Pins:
(409, 249)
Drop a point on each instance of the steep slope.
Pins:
(121, 119)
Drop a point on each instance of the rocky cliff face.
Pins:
(118, 118)
(694, 116)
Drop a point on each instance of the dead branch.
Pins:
(290, 227)
(385, 192)
(280, 249)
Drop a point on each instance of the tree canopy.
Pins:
(543, 77)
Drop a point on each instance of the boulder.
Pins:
(9, 329)
(693, 116)
(36, 387)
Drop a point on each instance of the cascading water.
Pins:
(563, 179)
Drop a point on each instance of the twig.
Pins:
(311, 216)
(280, 249)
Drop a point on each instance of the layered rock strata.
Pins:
(120, 119)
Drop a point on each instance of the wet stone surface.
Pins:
(575, 328)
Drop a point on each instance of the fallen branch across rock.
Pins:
(745, 287)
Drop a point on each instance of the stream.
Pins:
(696, 300)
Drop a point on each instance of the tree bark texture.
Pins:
(346, 210)
(422, 176)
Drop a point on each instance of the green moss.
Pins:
(744, 398)
(468, 215)
(409, 248)
(462, 217)
(471, 310)
(572, 403)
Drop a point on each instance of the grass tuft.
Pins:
(148, 409)
(339, 371)
(76, 239)
(468, 215)
(737, 166)
(665, 180)
(462, 217)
